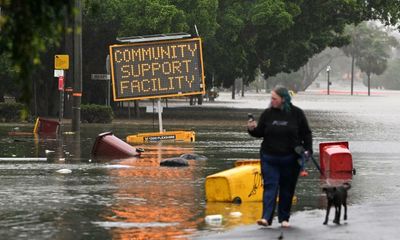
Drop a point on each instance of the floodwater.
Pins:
(137, 199)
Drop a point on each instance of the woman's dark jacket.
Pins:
(283, 131)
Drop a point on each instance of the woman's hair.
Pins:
(285, 95)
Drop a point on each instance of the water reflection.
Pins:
(250, 212)
(156, 202)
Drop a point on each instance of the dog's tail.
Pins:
(347, 185)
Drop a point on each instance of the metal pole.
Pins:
(61, 113)
(129, 110)
(77, 94)
(108, 92)
(108, 101)
(153, 116)
(159, 115)
(34, 95)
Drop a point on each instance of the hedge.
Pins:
(92, 113)
(11, 112)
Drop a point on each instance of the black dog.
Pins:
(336, 196)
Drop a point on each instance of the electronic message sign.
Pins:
(157, 69)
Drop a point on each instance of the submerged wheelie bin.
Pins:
(108, 146)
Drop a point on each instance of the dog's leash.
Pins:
(316, 165)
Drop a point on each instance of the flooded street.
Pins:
(138, 199)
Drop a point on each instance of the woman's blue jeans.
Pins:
(280, 174)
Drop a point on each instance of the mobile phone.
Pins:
(250, 117)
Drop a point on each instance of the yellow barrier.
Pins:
(177, 136)
(239, 184)
(36, 128)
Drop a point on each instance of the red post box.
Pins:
(336, 160)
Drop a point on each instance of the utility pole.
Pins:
(77, 93)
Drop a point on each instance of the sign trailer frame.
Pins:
(174, 38)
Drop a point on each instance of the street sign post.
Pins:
(61, 63)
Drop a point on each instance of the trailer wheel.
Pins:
(237, 200)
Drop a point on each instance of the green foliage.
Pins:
(142, 17)
(239, 36)
(277, 36)
(93, 113)
(27, 29)
(11, 112)
(375, 46)
(390, 79)
(303, 28)
(291, 80)
(104, 21)
(7, 77)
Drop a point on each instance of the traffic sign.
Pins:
(100, 76)
(58, 73)
(61, 62)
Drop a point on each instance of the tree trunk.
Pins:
(369, 84)
(242, 87)
(233, 90)
(352, 74)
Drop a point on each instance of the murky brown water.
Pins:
(137, 199)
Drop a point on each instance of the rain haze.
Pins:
(73, 162)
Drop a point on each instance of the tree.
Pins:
(235, 45)
(27, 29)
(390, 79)
(7, 75)
(374, 49)
(240, 36)
(104, 21)
(317, 25)
(315, 66)
(353, 49)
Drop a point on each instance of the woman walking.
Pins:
(283, 127)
